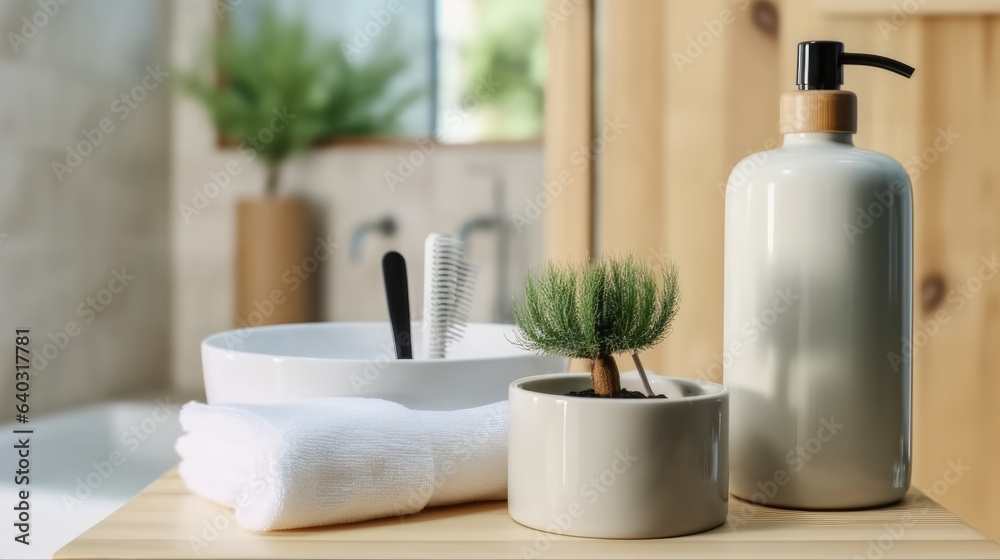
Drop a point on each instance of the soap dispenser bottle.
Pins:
(818, 284)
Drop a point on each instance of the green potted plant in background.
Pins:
(611, 455)
(277, 91)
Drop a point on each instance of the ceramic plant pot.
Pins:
(618, 468)
(275, 265)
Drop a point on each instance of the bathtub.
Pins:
(85, 464)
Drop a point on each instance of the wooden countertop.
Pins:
(165, 521)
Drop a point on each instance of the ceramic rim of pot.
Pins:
(718, 389)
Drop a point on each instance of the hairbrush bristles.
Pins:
(449, 286)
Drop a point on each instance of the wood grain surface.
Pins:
(698, 84)
(166, 521)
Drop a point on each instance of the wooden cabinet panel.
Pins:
(565, 201)
(698, 83)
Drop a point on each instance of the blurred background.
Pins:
(166, 165)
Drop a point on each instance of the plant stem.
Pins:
(273, 175)
(642, 374)
(604, 375)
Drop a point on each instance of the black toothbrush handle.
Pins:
(398, 297)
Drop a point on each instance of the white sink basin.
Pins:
(284, 363)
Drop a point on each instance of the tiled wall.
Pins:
(67, 232)
(64, 243)
(347, 185)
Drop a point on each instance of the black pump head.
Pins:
(821, 64)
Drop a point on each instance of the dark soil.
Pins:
(624, 394)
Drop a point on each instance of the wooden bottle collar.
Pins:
(819, 111)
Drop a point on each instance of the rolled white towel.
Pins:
(340, 460)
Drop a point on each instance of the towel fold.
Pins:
(340, 460)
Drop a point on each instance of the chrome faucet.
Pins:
(386, 225)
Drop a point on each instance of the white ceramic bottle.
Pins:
(818, 285)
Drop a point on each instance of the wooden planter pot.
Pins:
(274, 237)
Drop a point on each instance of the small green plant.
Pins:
(277, 69)
(616, 305)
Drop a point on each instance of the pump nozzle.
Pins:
(821, 64)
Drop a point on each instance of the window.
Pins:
(479, 65)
